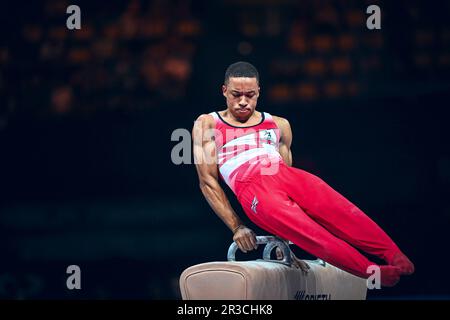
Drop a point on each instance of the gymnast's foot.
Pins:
(402, 261)
(390, 275)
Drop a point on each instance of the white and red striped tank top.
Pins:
(243, 151)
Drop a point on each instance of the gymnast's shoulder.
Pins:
(281, 122)
(205, 120)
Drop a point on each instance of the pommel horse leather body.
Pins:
(268, 279)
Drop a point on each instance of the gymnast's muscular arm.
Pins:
(206, 165)
(285, 139)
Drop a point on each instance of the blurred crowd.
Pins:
(128, 55)
(140, 54)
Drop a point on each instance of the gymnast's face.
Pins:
(242, 96)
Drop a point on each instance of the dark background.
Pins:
(86, 119)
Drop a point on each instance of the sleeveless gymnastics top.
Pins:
(245, 151)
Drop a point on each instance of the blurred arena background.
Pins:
(86, 118)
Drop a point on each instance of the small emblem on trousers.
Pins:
(254, 204)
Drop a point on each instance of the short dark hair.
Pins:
(241, 69)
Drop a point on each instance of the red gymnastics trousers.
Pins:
(296, 205)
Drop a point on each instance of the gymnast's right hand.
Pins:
(245, 238)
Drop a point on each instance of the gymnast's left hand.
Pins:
(245, 238)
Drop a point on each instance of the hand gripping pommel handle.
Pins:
(271, 243)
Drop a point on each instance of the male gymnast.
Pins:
(251, 152)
